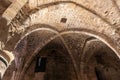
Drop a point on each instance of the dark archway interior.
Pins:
(93, 59)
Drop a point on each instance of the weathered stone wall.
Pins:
(91, 15)
(26, 22)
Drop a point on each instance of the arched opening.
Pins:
(99, 62)
(83, 55)
(51, 63)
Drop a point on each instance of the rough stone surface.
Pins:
(80, 39)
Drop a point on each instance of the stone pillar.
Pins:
(5, 59)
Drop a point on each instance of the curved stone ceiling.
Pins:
(83, 29)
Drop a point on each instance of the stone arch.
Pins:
(108, 31)
(107, 27)
(101, 63)
(56, 34)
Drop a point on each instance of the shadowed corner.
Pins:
(3, 30)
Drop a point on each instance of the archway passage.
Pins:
(73, 56)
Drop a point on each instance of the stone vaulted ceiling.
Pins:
(80, 38)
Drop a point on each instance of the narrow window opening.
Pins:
(40, 64)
